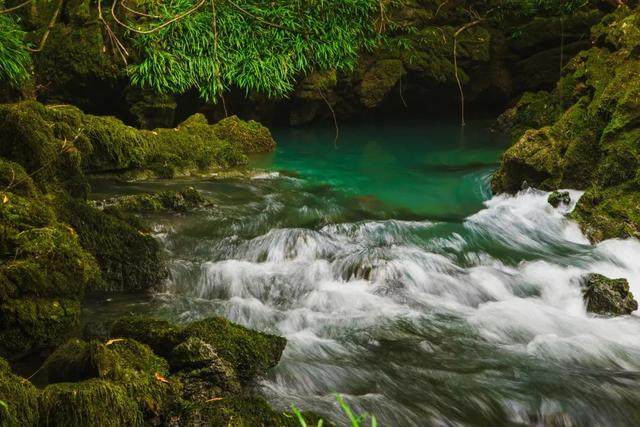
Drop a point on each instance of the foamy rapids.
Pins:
(428, 323)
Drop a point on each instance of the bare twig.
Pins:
(158, 27)
(52, 22)
(112, 36)
(14, 8)
(455, 64)
(137, 12)
(333, 114)
(256, 17)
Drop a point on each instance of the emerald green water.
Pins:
(401, 283)
(434, 170)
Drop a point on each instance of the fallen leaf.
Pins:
(214, 399)
(5, 199)
(114, 340)
(161, 378)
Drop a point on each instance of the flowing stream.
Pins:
(402, 284)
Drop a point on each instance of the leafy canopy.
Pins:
(259, 45)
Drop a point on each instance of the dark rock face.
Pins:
(558, 198)
(608, 296)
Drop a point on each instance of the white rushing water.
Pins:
(429, 323)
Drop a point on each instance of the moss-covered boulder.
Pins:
(533, 111)
(44, 269)
(608, 296)
(593, 142)
(249, 352)
(129, 259)
(49, 150)
(379, 80)
(20, 399)
(609, 213)
(128, 379)
(61, 144)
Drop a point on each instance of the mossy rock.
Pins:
(44, 273)
(120, 366)
(608, 296)
(609, 213)
(89, 403)
(250, 135)
(535, 160)
(74, 67)
(20, 398)
(379, 80)
(49, 151)
(533, 110)
(238, 411)
(558, 198)
(30, 323)
(62, 144)
(594, 144)
(129, 259)
(13, 178)
(176, 201)
(249, 352)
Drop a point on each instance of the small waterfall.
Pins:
(420, 322)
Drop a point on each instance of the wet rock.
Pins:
(203, 370)
(608, 296)
(558, 198)
(177, 201)
(249, 352)
(591, 142)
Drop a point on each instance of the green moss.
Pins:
(379, 80)
(75, 67)
(44, 272)
(535, 160)
(15, 179)
(90, 403)
(609, 213)
(29, 323)
(250, 352)
(595, 143)
(21, 398)
(240, 411)
(608, 296)
(533, 110)
(129, 259)
(160, 335)
(123, 362)
(250, 135)
(178, 201)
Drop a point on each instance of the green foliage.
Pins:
(256, 46)
(355, 420)
(15, 60)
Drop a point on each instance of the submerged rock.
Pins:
(608, 296)
(558, 198)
